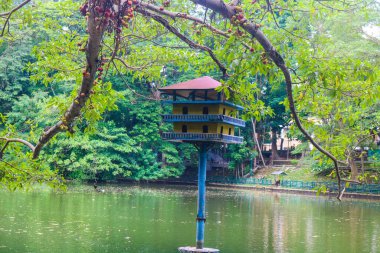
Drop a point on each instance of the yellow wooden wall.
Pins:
(197, 127)
(225, 128)
(230, 111)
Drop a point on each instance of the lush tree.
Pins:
(139, 37)
(339, 94)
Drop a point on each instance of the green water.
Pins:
(161, 218)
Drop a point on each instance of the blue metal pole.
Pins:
(201, 214)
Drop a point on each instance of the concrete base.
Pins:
(189, 249)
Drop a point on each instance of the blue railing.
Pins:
(202, 137)
(230, 138)
(203, 118)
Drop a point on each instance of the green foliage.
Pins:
(5, 5)
(85, 156)
(238, 154)
(119, 149)
(243, 153)
(125, 145)
(14, 80)
(322, 189)
(26, 172)
(299, 149)
(117, 134)
(369, 177)
(338, 90)
(321, 164)
(18, 169)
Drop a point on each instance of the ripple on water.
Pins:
(236, 221)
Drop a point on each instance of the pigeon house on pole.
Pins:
(202, 116)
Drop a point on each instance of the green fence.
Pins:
(225, 180)
(359, 188)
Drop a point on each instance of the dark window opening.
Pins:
(185, 110)
(224, 111)
(221, 130)
(229, 131)
(205, 110)
(184, 129)
(205, 129)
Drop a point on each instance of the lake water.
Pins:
(161, 218)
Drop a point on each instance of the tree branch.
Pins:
(131, 67)
(14, 167)
(182, 37)
(235, 2)
(154, 42)
(9, 14)
(175, 15)
(92, 54)
(228, 12)
(9, 140)
(130, 88)
(26, 143)
(270, 8)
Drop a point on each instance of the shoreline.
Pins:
(249, 187)
(346, 195)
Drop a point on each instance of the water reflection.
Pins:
(159, 219)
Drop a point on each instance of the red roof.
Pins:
(202, 83)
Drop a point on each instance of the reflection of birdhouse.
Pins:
(200, 113)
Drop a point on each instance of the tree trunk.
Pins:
(262, 138)
(95, 34)
(163, 160)
(257, 141)
(274, 145)
(362, 162)
(354, 169)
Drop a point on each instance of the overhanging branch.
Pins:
(174, 15)
(228, 11)
(9, 14)
(182, 37)
(10, 140)
(83, 94)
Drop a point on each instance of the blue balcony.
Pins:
(200, 137)
(216, 118)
